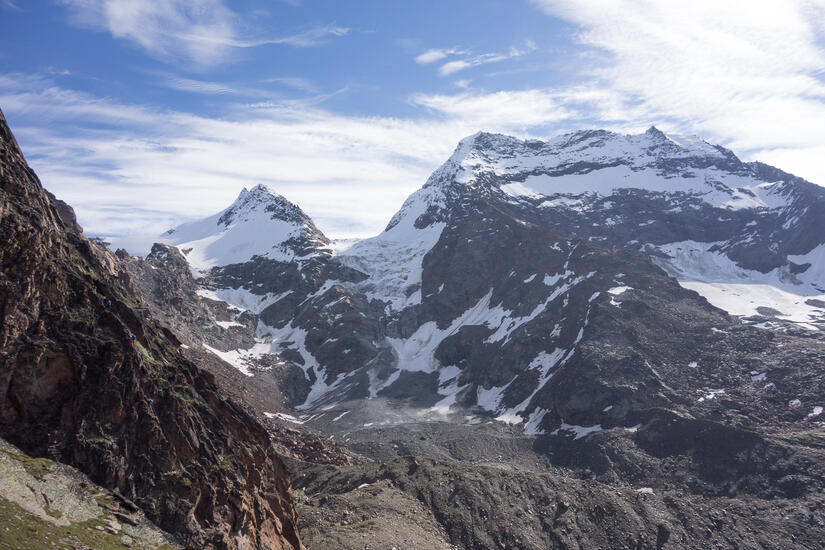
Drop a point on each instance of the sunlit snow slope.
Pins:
(259, 223)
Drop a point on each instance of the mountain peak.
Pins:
(259, 223)
(593, 161)
(258, 192)
(260, 199)
(486, 143)
(599, 142)
(654, 131)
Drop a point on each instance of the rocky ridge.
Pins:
(88, 379)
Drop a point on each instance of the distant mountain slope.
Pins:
(522, 265)
(87, 379)
(519, 313)
(698, 209)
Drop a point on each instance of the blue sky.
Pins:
(145, 114)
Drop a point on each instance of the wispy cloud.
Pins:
(468, 60)
(306, 39)
(295, 82)
(10, 5)
(512, 111)
(163, 166)
(312, 37)
(266, 88)
(202, 87)
(259, 89)
(162, 27)
(431, 56)
(203, 32)
(747, 74)
(457, 65)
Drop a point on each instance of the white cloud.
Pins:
(202, 87)
(167, 29)
(749, 74)
(311, 37)
(296, 83)
(457, 65)
(205, 87)
(163, 166)
(431, 56)
(134, 169)
(510, 111)
(203, 32)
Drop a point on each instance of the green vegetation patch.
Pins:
(363, 525)
(36, 467)
(19, 529)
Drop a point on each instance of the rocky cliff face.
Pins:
(89, 380)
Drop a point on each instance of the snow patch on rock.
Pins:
(702, 267)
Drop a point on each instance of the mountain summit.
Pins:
(600, 163)
(259, 223)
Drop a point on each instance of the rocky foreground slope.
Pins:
(45, 504)
(88, 379)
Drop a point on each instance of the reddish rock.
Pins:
(133, 414)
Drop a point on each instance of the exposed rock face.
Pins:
(89, 380)
(163, 277)
(211, 330)
(265, 385)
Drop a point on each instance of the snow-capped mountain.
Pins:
(530, 279)
(706, 216)
(259, 223)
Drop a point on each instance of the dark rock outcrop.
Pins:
(86, 378)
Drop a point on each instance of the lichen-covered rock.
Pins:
(45, 504)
